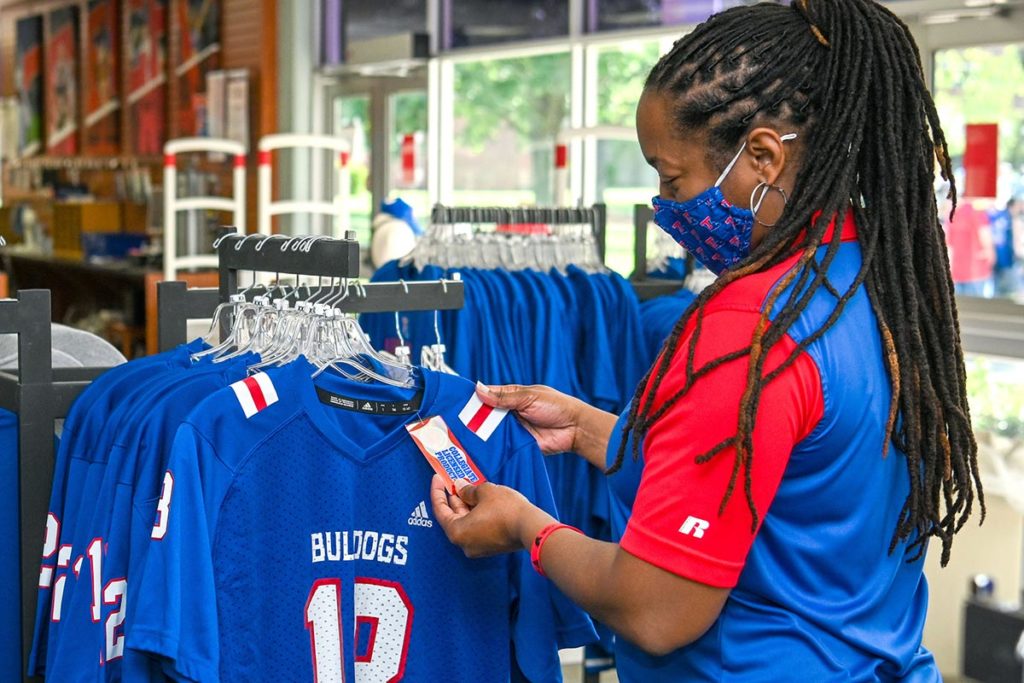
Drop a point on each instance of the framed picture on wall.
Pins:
(61, 100)
(147, 74)
(28, 84)
(102, 122)
(198, 54)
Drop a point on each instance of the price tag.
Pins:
(443, 451)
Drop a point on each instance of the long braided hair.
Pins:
(846, 75)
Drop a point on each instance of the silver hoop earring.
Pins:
(765, 188)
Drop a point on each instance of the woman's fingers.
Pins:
(508, 396)
(442, 505)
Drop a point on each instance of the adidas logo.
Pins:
(419, 516)
(367, 406)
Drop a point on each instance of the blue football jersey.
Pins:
(85, 424)
(114, 536)
(81, 545)
(599, 384)
(659, 316)
(627, 334)
(293, 541)
(417, 327)
(10, 567)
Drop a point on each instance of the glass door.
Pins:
(384, 119)
(350, 119)
(979, 92)
(407, 155)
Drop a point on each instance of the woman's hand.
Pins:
(487, 519)
(645, 604)
(558, 422)
(549, 415)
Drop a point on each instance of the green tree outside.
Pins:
(982, 85)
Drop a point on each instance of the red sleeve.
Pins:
(675, 523)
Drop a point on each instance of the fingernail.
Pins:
(482, 388)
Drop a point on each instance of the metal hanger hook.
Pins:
(308, 246)
(216, 242)
(238, 247)
(267, 238)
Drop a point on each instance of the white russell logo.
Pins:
(694, 526)
(419, 516)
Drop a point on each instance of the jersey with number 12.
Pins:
(294, 540)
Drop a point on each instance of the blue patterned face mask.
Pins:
(715, 231)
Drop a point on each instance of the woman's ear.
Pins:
(768, 151)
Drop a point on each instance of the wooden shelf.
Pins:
(83, 163)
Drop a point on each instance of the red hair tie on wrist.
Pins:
(538, 543)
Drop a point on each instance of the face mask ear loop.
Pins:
(785, 138)
(731, 164)
(756, 206)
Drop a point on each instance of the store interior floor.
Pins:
(573, 673)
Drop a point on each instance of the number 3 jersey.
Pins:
(294, 541)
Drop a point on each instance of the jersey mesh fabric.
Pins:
(10, 567)
(131, 483)
(578, 332)
(86, 498)
(801, 599)
(255, 499)
(85, 423)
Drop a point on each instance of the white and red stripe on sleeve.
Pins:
(255, 393)
(480, 418)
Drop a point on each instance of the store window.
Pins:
(611, 15)
(507, 113)
(979, 92)
(997, 414)
(623, 177)
(470, 23)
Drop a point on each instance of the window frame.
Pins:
(991, 327)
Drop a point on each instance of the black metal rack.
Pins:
(306, 256)
(39, 395)
(596, 216)
(645, 287)
(323, 256)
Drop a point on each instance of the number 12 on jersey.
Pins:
(383, 612)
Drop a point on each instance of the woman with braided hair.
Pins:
(804, 432)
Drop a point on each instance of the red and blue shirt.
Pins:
(814, 589)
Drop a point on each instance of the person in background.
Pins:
(1004, 269)
(1017, 217)
(395, 232)
(971, 256)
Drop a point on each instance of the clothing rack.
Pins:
(39, 394)
(595, 216)
(646, 287)
(324, 257)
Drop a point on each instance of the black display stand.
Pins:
(646, 287)
(39, 395)
(326, 257)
